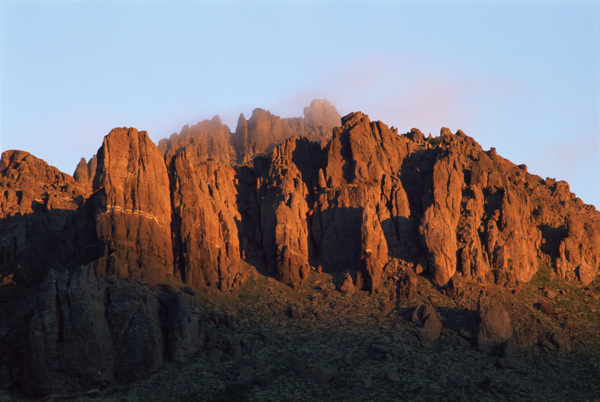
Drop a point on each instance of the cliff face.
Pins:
(283, 195)
(205, 234)
(132, 206)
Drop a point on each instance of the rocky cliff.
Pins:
(85, 260)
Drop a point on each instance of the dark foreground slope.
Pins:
(92, 266)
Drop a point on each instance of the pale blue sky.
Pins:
(523, 77)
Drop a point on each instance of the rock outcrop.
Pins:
(206, 199)
(439, 222)
(30, 185)
(73, 345)
(85, 172)
(577, 255)
(45, 221)
(495, 325)
(205, 233)
(79, 331)
(431, 327)
(133, 207)
(322, 113)
(207, 140)
(263, 131)
(283, 211)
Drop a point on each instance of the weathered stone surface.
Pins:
(133, 207)
(44, 221)
(29, 185)
(578, 251)
(431, 326)
(374, 250)
(347, 285)
(207, 140)
(85, 172)
(562, 342)
(442, 204)
(515, 253)
(186, 336)
(264, 131)
(438, 226)
(407, 283)
(495, 326)
(547, 307)
(70, 345)
(205, 234)
(79, 332)
(283, 211)
(510, 356)
(322, 113)
(133, 315)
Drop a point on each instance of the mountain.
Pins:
(101, 272)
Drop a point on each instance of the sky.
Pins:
(520, 76)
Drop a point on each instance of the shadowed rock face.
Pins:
(79, 331)
(45, 221)
(285, 195)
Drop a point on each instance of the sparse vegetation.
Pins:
(335, 334)
(436, 141)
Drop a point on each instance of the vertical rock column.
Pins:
(132, 204)
(516, 258)
(438, 225)
(205, 215)
(374, 253)
(283, 213)
(576, 251)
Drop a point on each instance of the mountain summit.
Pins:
(321, 112)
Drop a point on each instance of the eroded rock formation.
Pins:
(133, 207)
(80, 257)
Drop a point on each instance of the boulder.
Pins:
(494, 324)
(347, 285)
(431, 327)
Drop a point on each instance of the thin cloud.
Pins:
(406, 92)
(347, 86)
(570, 155)
(428, 103)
